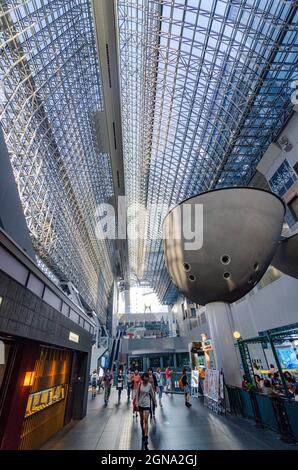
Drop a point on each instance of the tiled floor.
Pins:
(176, 428)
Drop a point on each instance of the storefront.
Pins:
(49, 385)
(176, 361)
(43, 385)
(45, 346)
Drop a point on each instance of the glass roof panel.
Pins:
(209, 107)
(53, 97)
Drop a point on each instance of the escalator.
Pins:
(114, 357)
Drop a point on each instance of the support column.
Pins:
(221, 333)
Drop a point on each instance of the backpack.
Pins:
(180, 383)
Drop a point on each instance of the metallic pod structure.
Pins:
(240, 228)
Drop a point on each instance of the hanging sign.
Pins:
(207, 345)
(194, 379)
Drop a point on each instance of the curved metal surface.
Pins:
(286, 256)
(241, 230)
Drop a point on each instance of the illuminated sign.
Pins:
(73, 337)
(29, 379)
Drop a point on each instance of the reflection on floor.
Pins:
(176, 428)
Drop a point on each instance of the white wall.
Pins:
(273, 306)
(270, 307)
(189, 326)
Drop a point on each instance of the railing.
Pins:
(20, 267)
(274, 412)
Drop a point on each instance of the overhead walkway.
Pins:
(176, 427)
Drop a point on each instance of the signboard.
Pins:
(73, 337)
(194, 379)
(212, 384)
(207, 345)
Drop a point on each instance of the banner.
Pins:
(213, 385)
(194, 379)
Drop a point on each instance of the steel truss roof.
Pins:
(51, 94)
(205, 90)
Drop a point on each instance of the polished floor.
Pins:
(176, 428)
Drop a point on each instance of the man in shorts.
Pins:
(168, 379)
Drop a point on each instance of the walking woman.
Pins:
(159, 379)
(153, 381)
(108, 382)
(145, 398)
(120, 383)
(129, 376)
(135, 384)
(94, 379)
(185, 387)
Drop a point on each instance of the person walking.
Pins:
(201, 379)
(145, 397)
(120, 382)
(159, 379)
(135, 384)
(168, 379)
(153, 381)
(94, 380)
(129, 376)
(184, 386)
(107, 381)
(100, 377)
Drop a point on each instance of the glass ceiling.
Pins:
(51, 95)
(205, 90)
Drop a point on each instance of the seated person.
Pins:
(267, 389)
(244, 383)
(259, 382)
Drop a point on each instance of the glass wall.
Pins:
(182, 360)
(136, 363)
(167, 360)
(154, 362)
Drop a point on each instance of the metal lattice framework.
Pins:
(51, 94)
(205, 90)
